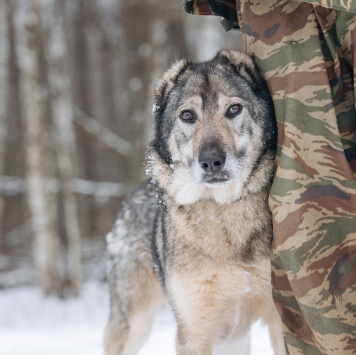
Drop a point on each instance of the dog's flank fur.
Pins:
(200, 229)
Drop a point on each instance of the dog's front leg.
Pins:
(190, 342)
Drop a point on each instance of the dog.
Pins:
(200, 228)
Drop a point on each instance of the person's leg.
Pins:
(313, 198)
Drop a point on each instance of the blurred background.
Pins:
(76, 89)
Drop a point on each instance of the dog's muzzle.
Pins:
(212, 161)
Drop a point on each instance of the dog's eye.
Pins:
(187, 116)
(234, 110)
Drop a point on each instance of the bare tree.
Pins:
(82, 76)
(3, 99)
(40, 158)
(137, 59)
(63, 133)
(15, 209)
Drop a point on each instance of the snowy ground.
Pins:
(31, 324)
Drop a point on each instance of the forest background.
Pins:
(76, 88)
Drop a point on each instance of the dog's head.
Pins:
(215, 129)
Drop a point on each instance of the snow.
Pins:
(31, 324)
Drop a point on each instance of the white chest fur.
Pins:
(221, 302)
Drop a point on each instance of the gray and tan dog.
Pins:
(200, 228)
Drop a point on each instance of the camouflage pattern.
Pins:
(307, 54)
(343, 5)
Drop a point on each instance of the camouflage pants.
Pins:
(307, 54)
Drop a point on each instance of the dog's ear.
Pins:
(169, 79)
(242, 64)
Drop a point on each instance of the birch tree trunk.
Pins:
(62, 117)
(16, 210)
(138, 77)
(83, 96)
(40, 158)
(3, 101)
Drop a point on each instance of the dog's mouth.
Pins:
(217, 178)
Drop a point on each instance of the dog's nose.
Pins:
(212, 159)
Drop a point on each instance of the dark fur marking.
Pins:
(241, 154)
(156, 257)
(159, 228)
(182, 70)
(254, 246)
(159, 144)
(205, 88)
(162, 94)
